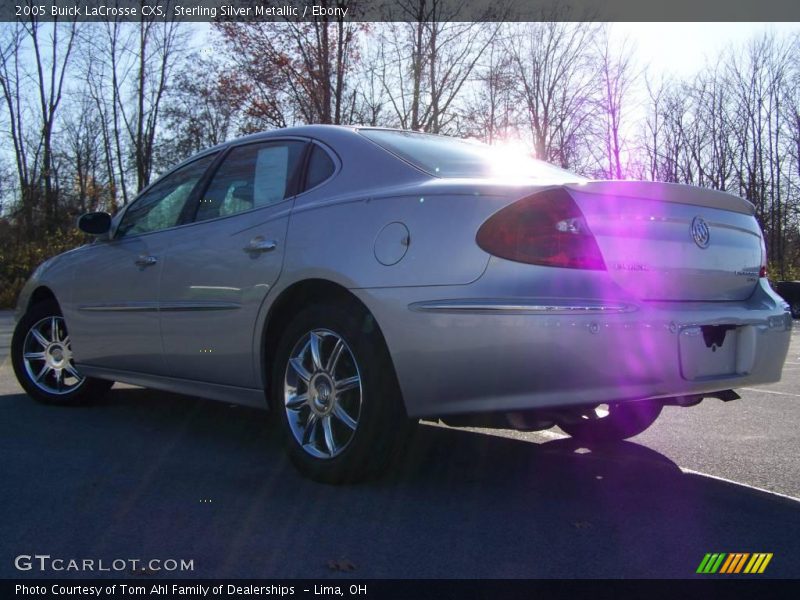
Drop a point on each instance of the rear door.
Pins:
(219, 270)
(113, 313)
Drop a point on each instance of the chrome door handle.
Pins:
(259, 244)
(146, 261)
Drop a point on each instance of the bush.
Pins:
(19, 257)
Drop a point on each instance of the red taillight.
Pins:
(762, 272)
(547, 229)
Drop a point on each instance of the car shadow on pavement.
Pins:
(146, 474)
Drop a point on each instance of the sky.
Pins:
(681, 49)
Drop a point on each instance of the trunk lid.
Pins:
(673, 242)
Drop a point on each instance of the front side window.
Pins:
(252, 176)
(160, 206)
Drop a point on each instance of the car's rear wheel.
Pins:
(611, 422)
(334, 388)
(41, 354)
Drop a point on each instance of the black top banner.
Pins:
(402, 10)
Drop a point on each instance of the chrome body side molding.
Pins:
(529, 306)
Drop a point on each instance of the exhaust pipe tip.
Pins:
(695, 399)
(725, 395)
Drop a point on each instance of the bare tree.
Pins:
(129, 67)
(11, 84)
(81, 158)
(426, 62)
(491, 111)
(105, 48)
(554, 68)
(729, 128)
(51, 47)
(759, 78)
(52, 62)
(617, 77)
(156, 60)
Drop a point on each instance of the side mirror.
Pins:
(95, 223)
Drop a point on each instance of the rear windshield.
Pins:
(452, 157)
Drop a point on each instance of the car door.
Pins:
(219, 270)
(113, 312)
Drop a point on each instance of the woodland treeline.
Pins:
(92, 112)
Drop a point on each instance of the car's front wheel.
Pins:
(41, 354)
(611, 422)
(334, 388)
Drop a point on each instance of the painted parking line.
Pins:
(688, 471)
(553, 435)
(739, 483)
(770, 392)
(556, 435)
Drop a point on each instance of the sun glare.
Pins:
(513, 160)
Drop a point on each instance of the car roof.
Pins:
(321, 132)
(314, 131)
(330, 134)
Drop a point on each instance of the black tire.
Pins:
(623, 420)
(795, 307)
(76, 390)
(376, 406)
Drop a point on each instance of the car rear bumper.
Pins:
(470, 354)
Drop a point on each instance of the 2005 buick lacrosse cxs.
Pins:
(354, 280)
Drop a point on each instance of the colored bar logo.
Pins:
(733, 563)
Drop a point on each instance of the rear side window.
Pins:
(250, 177)
(320, 167)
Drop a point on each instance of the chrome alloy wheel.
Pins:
(47, 357)
(322, 393)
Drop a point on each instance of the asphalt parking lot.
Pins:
(146, 474)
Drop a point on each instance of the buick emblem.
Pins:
(700, 233)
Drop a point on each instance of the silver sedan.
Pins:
(354, 280)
